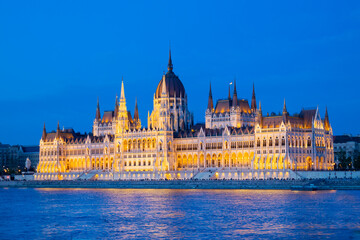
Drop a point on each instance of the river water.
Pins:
(178, 214)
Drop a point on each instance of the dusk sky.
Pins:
(58, 57)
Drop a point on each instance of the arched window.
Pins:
(309, 142)
(258, 142)
(283, 141)
(270, 142)
(264, 142)
(276, 141)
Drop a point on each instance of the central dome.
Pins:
(173, 84)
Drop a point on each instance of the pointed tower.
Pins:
(170, 65)
(98, 115)
(259, 115)
(116, 110)
(136, 111)
(136, 116)
(210, 101)
(285, 112)
(123, 119)
(164, 110)
(57, 135)
(229, 95)
(234, 102)
(43, 137)
(163, 89)
(253, 100)
(326, 121)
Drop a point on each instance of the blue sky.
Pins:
(57, 57)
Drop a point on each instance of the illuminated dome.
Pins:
(173, 83)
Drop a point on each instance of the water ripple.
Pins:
(178, 214)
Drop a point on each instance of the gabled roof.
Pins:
(224, 105)
(107, 117)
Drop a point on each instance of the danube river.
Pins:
(178, 214)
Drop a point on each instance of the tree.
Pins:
(356, 157)
(344, 162)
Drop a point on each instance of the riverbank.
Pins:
(321, 184)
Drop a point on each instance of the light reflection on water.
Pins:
(169, 214)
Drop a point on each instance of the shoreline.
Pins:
(320, 184)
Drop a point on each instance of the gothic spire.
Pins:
(57, 131)
(229, 95)
(326, 121)
(234, 103)
(98, 115)
(253, 100)
(116, 111)
(285, 112)
(136, 112)
(170, 65)
(163, 89)
(122, 96)
(210, 101)
(44, 133)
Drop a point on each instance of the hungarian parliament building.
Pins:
(236, 142)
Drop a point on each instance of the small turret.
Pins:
(163, 90)
(116, 110)
(326, 121)
(136, 111)
(98, 115)
(57, 135)
(285, 112)
(253, 100)
(43, 137)
(229, 95)
(210, 101)
(234, 102)
(260, 116)
(122, 95)
(170, 65)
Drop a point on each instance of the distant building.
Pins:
(14, 157)
(4, 153)
(31, 152)
(348, 144)
(236, 141)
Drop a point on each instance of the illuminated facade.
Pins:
(236, 141)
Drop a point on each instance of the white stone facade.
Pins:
(235, 142)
